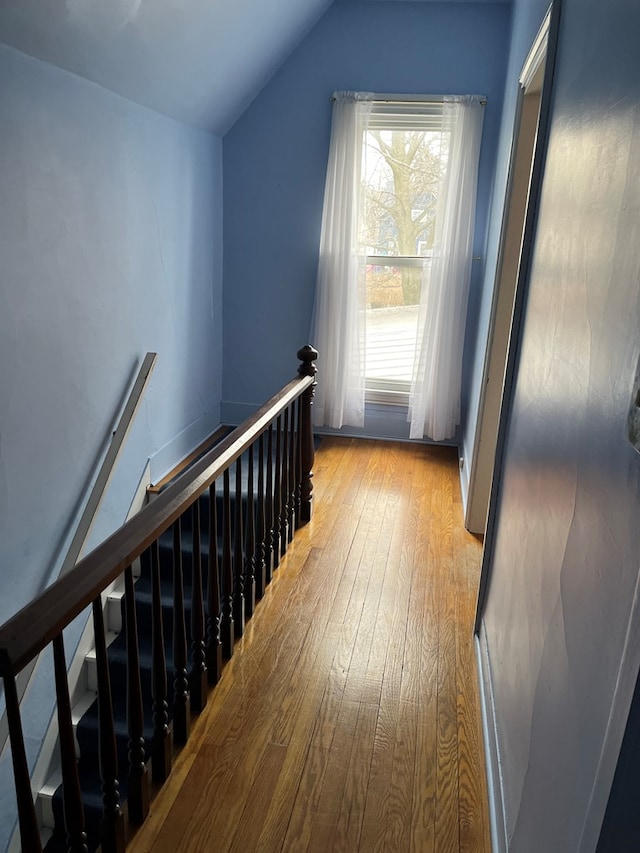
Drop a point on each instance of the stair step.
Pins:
(46, 798)
(91, 664)
(113, 611)
(77, 713)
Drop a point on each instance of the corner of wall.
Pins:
(184, 443)
(233, 413)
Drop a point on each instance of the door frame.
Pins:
(546, 40)
(524, 142)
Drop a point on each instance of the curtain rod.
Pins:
(402, 99)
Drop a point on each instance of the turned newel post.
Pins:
(307, 356)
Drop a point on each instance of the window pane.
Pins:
(402, 170)
(401, 175)
(393, 296)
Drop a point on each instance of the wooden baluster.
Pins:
(307, 356)
(227, 573)
(284, 486)
(250, 545)
(268, 508)
(138, 779)
(112, 832)
(162, 741)
(260, 558)
(181, 699)
(214, 642)
(72, 798)
(297, 496)
(291, 491)
(29, 832)
(198, 656)
(238, 558)
(277, 494)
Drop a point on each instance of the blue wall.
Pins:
(110, 238)
(275, 160)
(561, 622)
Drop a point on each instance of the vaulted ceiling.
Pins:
(199, 61)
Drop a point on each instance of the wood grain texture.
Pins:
(348, 718)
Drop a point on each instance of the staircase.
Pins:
(206, 548)
(86, 713)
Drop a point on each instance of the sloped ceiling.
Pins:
(199, 61)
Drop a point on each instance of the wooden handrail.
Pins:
(39, 622)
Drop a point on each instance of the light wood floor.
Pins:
(348, 718)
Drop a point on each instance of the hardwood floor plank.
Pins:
(258, 799)
(365, 674)
(374, 823)
(425, 765)
(147, 835)
(348, 829)
(334, 717)
(472, 795)
(400, 794)
(371, 685)
(447, 828)
(332, 793)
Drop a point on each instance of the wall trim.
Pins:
(499, 841)
(537, 53)
(382, 422)
(513, 352)
(505, 296)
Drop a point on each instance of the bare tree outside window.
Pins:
(402, 172)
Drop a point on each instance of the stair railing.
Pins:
(283, 502)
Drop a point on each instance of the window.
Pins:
(405, 150)
(376, 256)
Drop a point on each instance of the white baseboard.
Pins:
(499, 841)
(381, 422)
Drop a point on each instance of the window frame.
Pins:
(424, 115)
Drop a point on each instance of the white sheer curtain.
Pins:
(434, 404)
(339, 311)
